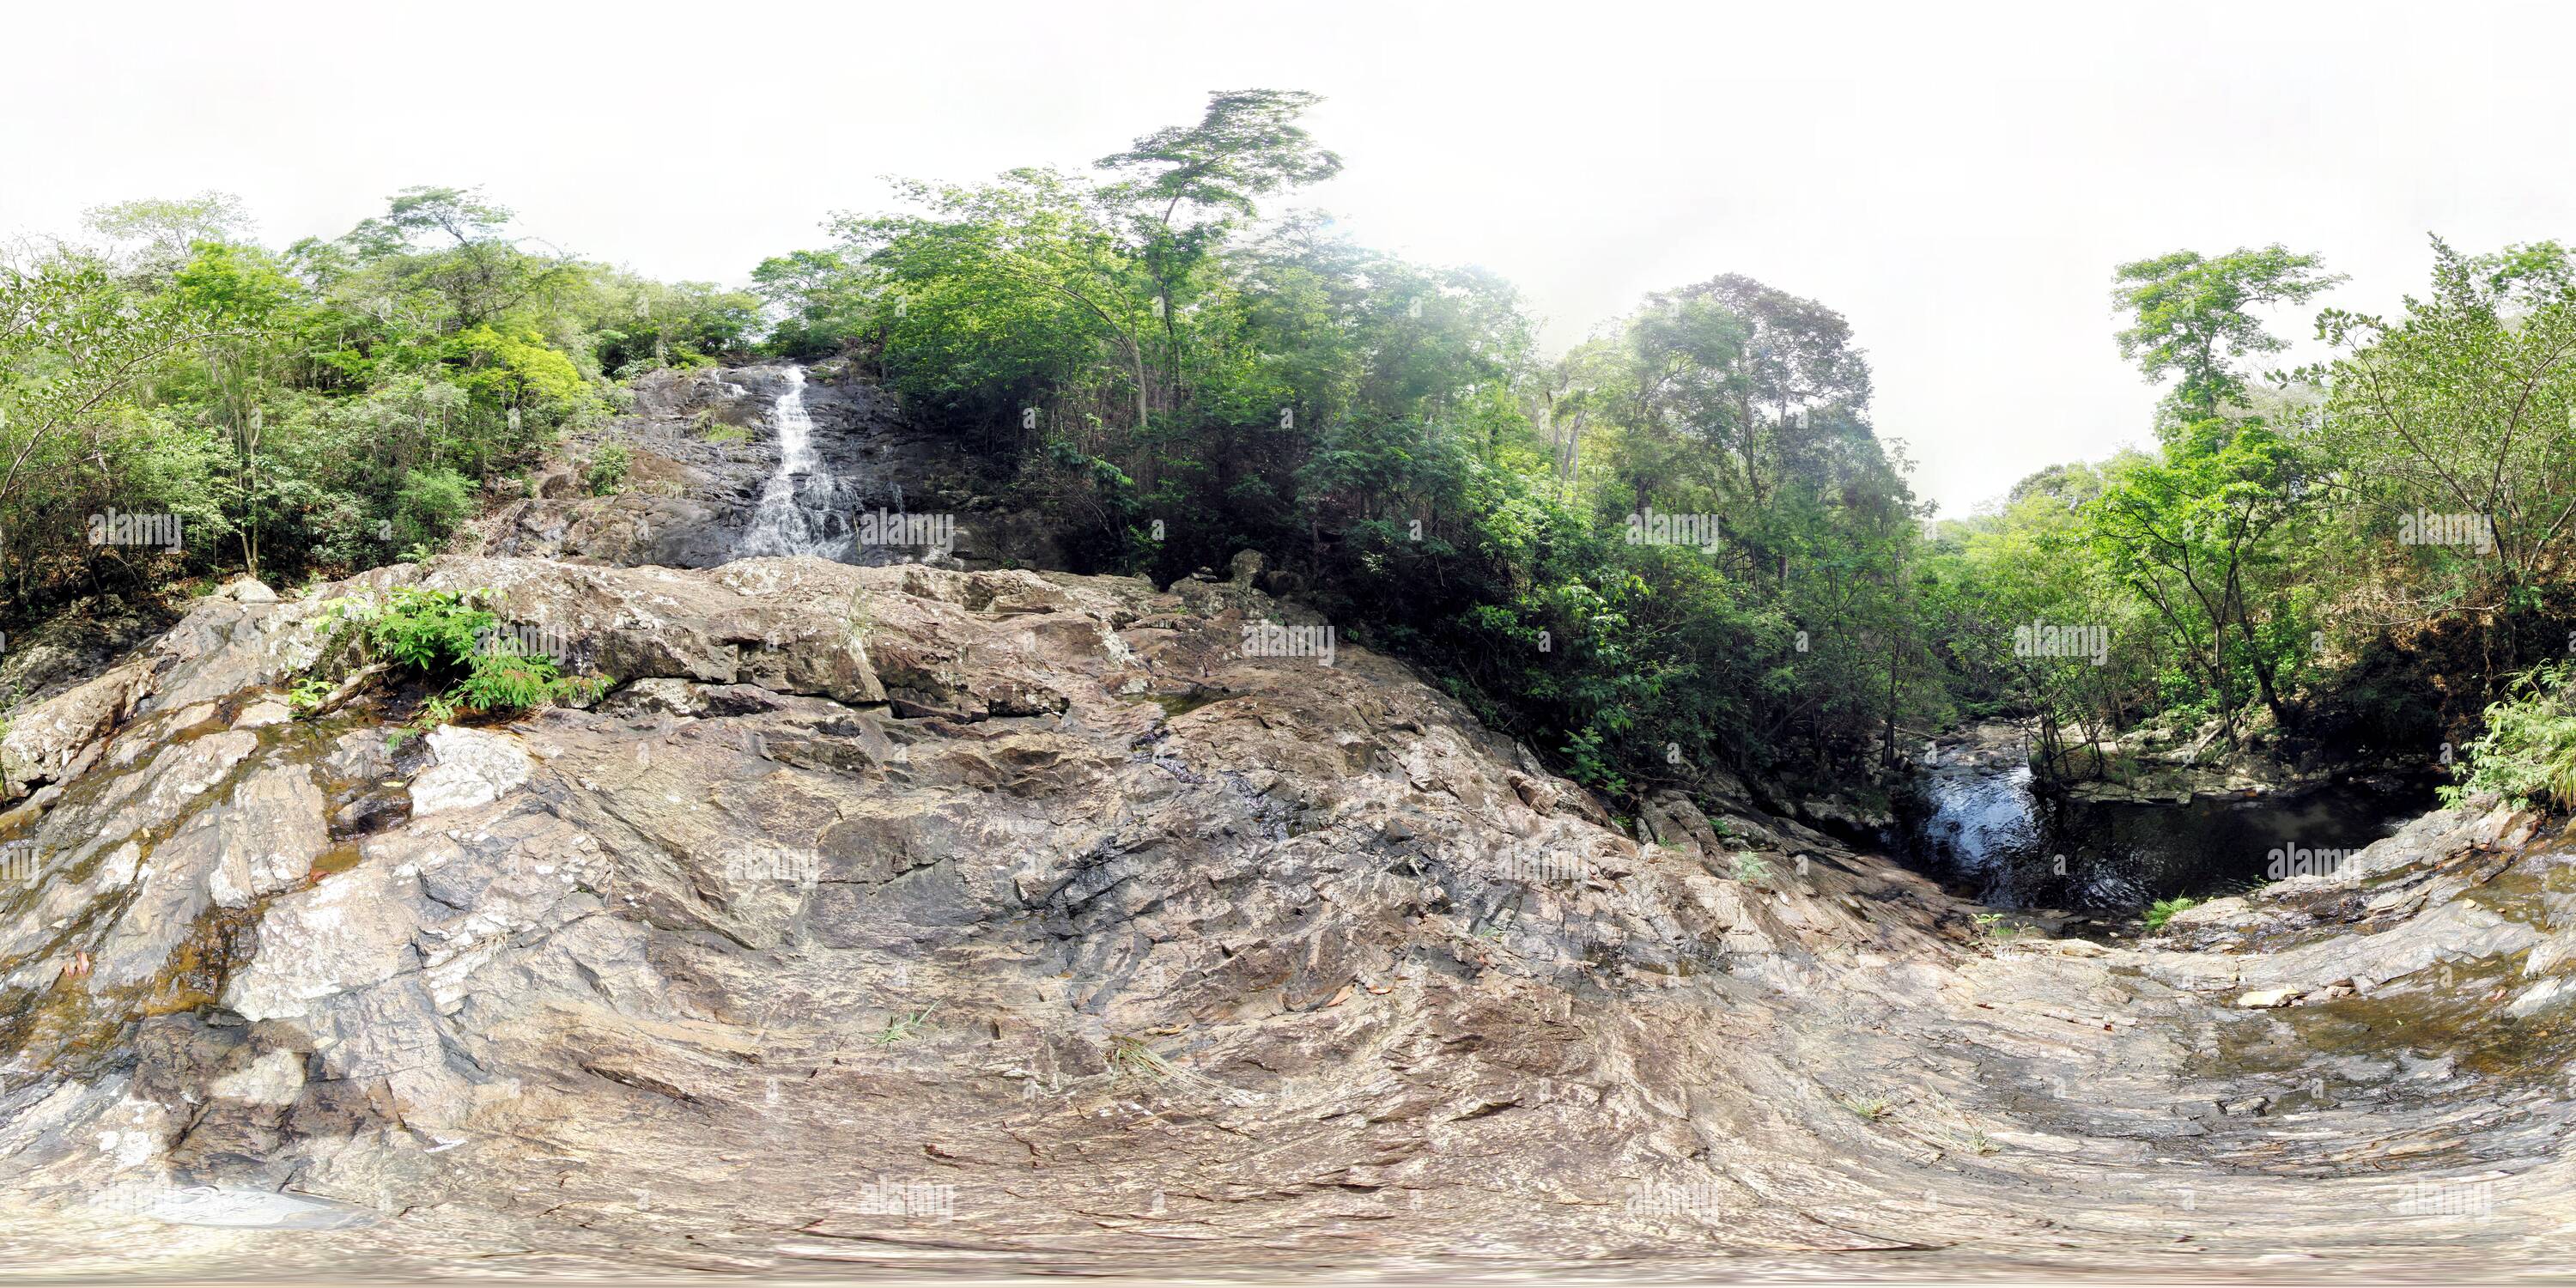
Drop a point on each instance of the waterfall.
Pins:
(796, 514)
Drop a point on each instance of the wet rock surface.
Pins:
(901, 918)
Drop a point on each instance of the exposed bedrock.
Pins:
(1009, 920)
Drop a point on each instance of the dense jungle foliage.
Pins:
(1679, 545)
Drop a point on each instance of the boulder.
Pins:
(1245, 568)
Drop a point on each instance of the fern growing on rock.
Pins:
(443, 635)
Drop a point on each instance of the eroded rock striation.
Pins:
(1020, 921)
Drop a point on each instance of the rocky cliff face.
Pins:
(703, 442)
(932, 918)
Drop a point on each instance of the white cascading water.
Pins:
(786, 521)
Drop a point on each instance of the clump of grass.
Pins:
(2163, 910)
(714, 430)
(1977, 1142)
(1870, 1109)
(1130, 1057)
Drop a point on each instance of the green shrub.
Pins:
(430, 505)
(1590, 765)
(606, 471)
(307, 694)
(425, 630)
(2528, 753)
(442, 634)
(511, 681)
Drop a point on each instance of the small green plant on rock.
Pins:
(903, 1025)
(308, 694)
(1996, 927)
(1870, 1109)
(1131, 1058)
(1751, 868)
(2163, 910)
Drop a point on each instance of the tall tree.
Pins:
(155, 235)
(2190, 317)
(2467, 406)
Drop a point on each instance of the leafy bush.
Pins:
(308, 694)
(506, 680)
(442, 634)
(425, 630)
(607, 469)
(2528, 753)
(430, 505)
(515, 368)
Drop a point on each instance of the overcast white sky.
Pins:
(1958, 179)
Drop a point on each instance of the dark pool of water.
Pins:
(1986, 834)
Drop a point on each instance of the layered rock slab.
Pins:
(1022, 920)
